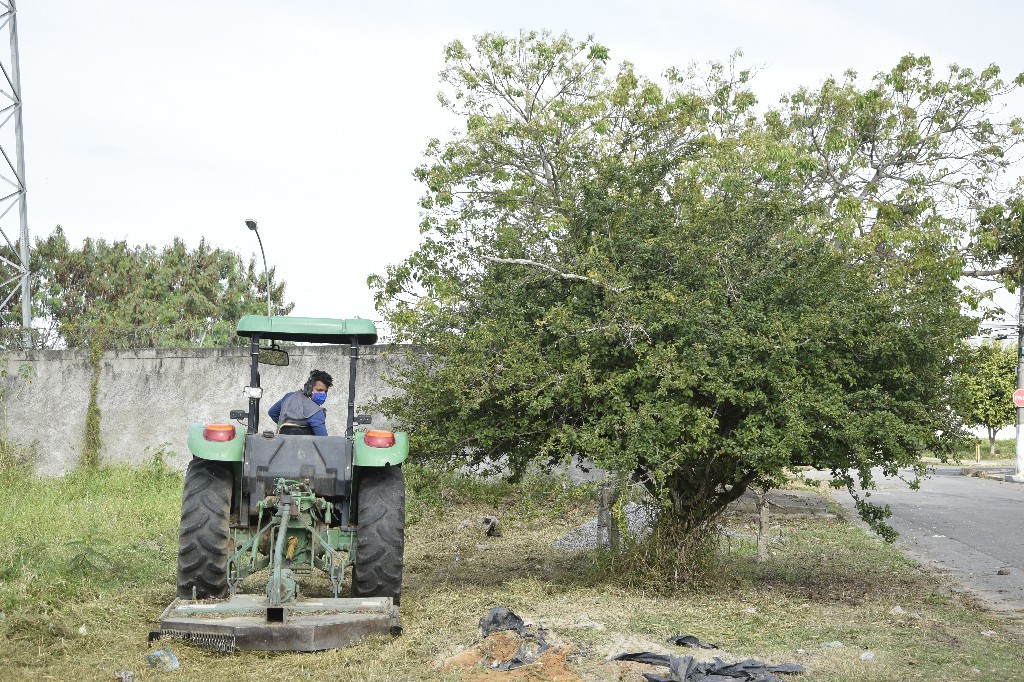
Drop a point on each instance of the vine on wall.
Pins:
(92, 444)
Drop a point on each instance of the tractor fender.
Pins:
(219, 451)
(368, 456)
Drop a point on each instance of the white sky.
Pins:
(146, 119)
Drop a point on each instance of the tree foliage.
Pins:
(142, 295)
(676, 284)
(985, 379)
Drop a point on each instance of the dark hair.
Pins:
(315, 376)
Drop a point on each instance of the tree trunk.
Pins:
(607, 528)
(696, 501)
(762, 525)
(991, 443)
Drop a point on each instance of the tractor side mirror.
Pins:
(273, 356)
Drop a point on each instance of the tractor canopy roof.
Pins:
(312, 329)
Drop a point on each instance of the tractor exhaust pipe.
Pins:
(353, 356)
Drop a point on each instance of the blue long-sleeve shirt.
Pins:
(317, 420)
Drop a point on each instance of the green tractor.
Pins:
(296, 505)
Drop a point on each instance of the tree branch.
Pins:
(543, 266)
(985, 273)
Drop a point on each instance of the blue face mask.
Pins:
(319, 398)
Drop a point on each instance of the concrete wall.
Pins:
(147, 398)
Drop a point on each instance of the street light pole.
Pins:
(251, 224)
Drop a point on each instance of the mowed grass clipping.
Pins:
(88, 563)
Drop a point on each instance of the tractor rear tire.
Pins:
(380, 537)
(203, 537)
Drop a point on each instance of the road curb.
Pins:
(1005, 474)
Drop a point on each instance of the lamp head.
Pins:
(251, 224)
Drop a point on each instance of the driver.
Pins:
(302, 412)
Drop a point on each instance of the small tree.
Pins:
(651, 276)
(984, 383)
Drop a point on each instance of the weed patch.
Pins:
(967, 452)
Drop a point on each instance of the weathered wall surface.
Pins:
(147, 398)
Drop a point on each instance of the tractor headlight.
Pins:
(252, 392)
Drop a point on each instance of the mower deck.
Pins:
(246, 622)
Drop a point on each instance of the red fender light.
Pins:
(379, 439)
(219, 432)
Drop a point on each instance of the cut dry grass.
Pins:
(826, 581)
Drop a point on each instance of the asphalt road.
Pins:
(971, 527)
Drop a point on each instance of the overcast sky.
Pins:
(146, 119)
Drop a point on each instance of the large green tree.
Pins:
(679, 286)
(985, 379)
(141, 295)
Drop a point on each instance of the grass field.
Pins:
(1005, 449)
(88, 562)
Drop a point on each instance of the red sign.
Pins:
(1018, 397)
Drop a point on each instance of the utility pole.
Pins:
(11, 109)
(1018, 474)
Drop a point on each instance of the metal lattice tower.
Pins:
(14, 276)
